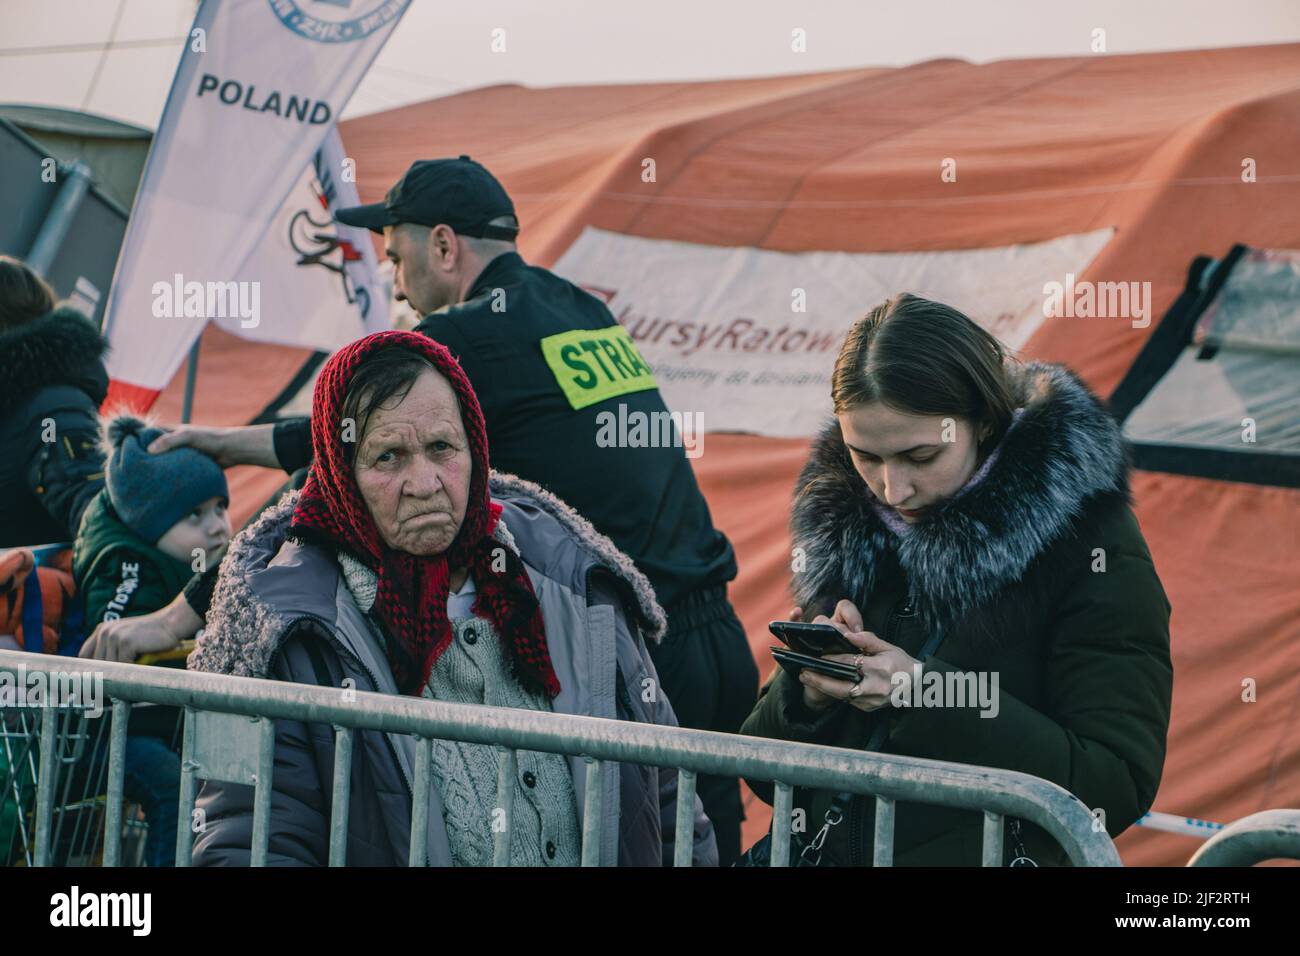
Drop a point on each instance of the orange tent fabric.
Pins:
(1153, 145)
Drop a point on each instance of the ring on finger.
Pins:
(855, 690)
(857, 662)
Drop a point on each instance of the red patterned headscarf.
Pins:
(412, 594)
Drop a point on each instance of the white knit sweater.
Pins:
(475, 669)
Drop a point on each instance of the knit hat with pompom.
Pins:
(150, 493)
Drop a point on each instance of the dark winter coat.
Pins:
(284, 610)
(1011, 570)
(52, 382)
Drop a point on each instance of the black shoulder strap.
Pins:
(882, 725)
(842, 802)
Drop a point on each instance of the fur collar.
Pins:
(62, 347)
(243, 631)
(603, 551)
(1064, 450)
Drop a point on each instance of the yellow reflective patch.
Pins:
(591, 365)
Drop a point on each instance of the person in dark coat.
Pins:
(406, 566)
(450, 231)
(963, 494)
(52, 381)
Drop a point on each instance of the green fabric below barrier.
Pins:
(10, 844)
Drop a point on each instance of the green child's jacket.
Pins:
(118, 573)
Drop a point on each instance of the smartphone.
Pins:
(812, 639)
(794, 662)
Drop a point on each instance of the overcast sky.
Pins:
(52, 51)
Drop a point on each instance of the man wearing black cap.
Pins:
(443, 224)
(545, 359)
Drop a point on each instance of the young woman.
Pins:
(962, 495)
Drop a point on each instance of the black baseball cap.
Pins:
(456, 192)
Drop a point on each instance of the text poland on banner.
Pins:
(254, 96)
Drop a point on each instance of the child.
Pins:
(159, 519)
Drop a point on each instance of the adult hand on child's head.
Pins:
(213, 442)
(247, 445)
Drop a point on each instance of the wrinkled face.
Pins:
(206, 529)
(909, 462)
(413, 468)
(422, 274)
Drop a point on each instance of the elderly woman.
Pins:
(403, 567)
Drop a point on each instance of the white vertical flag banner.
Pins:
(260, 85)
(318, 280)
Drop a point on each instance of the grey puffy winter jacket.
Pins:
(282, 610)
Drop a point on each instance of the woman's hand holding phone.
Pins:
(845, 611)
(880, 661)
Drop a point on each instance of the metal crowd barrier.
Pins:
(1266, 835)
(230, 735)
(78, 784)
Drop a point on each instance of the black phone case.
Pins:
(793, 662)
(811, 639)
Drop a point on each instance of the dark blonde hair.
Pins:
(925, 358)
(23, 294)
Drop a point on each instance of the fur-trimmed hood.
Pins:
(602, 551)
(1064, 450)
(267, 584)
(62, 347)
(244, 627)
